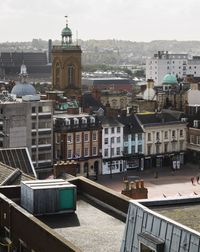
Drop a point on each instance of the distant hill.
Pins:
(113, 51)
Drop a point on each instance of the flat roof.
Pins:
(91, 227)
(186, 214)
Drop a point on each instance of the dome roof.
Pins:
(21, 89)
(66, 31)
(169, 79)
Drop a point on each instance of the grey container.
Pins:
(41, 197)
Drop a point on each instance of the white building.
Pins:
(163, 63)
(112, 146)
(193, 66)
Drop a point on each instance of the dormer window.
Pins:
(84, 120)
(92, 119)
(67, 122)
(75, 121)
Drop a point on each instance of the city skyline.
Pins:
(135, 20)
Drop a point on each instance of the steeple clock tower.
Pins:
(66, 65)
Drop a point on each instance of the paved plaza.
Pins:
(168, 183)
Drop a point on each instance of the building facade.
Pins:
(133, 147)
(163, 63)
(78, 137)
(112, 146)
(28, 124)
(165, 140)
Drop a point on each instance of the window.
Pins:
(157, 136)
(78, 153)
(149, 149)
(133, 137)
(105, 140)
(140, 148)
(75, 121)
(181, 145)
(118, 151)
(166, 147)
(78, 139)
(94, 151)
(192, 139)
(126, 150)
(181, 133)
(118, 129)
(112, 152)
(149, 137)
(173, 146)
(33, 110)
(69, 138)
(198, 140)
(157, 148)
(40, 109)
(112, 130)
(92, 119)
(33, 125)
(118, 140)
(84, 120)
(105, 152)
(69, 153)
(173, 133)
(94, 136)
(139, 136)
(86, 152)
(70, 74)
(112, 140)
(166, 135)
(133, 149)
(67, 122)
(86, 137)
(33, 141)
(106, 130)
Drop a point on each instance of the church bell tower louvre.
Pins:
(66, 65)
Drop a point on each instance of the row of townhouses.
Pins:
(111, 145)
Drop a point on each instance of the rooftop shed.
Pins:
(42, 197)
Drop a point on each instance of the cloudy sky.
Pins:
(136, 20)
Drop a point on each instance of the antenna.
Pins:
(77, 37)
(66, 21)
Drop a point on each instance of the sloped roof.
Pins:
(12, 176)
(157, 118)
(131, 124)
(111, 121)
(18, 158)
(89, 101)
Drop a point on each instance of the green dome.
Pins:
(66, 31)
(169, 79)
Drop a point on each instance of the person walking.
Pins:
(197, 178)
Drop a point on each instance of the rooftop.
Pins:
(91, 228)
(187, 214)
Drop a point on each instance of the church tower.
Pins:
(66, 65)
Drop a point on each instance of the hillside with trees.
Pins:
(112, 52)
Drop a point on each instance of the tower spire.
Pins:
(66, 17)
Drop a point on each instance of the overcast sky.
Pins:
(136, 20)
